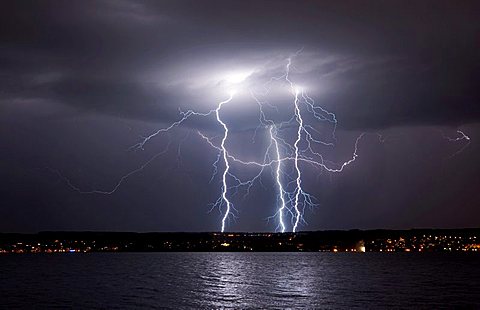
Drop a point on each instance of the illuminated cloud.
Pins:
(83, 81)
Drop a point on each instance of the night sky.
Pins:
(82, 81)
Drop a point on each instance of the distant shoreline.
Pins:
(378, 240)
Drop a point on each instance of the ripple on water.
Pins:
(240, 280)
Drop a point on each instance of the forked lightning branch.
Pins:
(285, 158)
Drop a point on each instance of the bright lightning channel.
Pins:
(298, 190)
(278, 180)
(289, 200)
(225, 159)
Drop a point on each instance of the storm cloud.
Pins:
(394, 63)
(80, 81)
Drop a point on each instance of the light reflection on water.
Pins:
(240, 280)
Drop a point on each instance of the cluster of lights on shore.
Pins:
(292, 199)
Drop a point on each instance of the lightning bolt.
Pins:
(298, 181)
(284, 163)
(278, 180)
(461, 137)
(225, 159)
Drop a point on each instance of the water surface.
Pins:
(241, 280)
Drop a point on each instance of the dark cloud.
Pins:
(80, 81)
(414, 63)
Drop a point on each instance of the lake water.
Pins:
(241, 280)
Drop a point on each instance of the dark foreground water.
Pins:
(240, 280)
